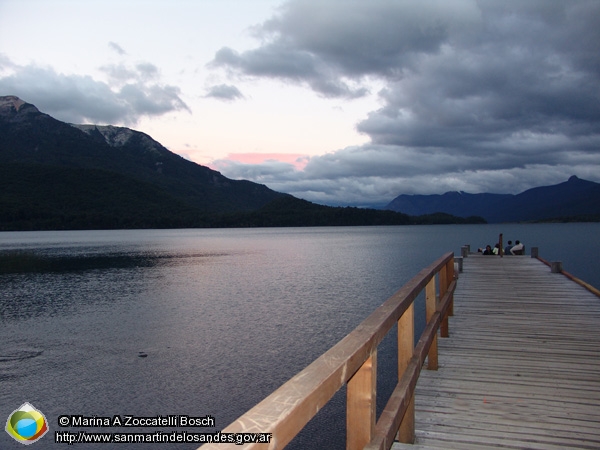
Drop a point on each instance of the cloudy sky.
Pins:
(335, 101)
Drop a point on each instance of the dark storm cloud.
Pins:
(279, 61)
(332, 45)
(356, 37)
(129, 94)
(224, 92)
(479, 95)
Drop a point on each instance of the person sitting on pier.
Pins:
(496, 250)
(518, 249)
(488, 250)
(507, 248)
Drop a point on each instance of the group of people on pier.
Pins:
(510, 249)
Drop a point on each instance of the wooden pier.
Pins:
(509, 358)
(521, 369)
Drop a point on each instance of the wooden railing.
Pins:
(556, 266)
(353, 361)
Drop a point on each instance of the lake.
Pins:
(209, 322)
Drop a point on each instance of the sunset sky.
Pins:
(336, 101)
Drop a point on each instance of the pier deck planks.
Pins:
(521, 369)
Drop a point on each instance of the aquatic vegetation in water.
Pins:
(25, 262)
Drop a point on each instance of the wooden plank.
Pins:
(521, 368)
(361, 394)
(406, 345)
(430, 308)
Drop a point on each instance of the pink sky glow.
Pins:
(298, 160)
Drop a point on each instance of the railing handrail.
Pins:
(571, 277)
(289, 408)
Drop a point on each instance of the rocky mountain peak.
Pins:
(120, 136)
(10, 105)
(114, 136)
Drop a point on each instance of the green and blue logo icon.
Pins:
(26, 425)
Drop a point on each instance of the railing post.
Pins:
(430, 308)
(443, 289)
(449, 278)
(360, 404)
(446, 277)
(406, 346)
(459, 262)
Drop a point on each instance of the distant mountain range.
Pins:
(573, 200)
(55, 175)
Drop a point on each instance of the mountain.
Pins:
(291, 211)
(575, 199)
(29, 136)
(461, 204)
(572, 199)
(55, 175)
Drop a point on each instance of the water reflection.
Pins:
(58, 282)
(19, 261)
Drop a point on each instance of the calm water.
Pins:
(224, 316)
